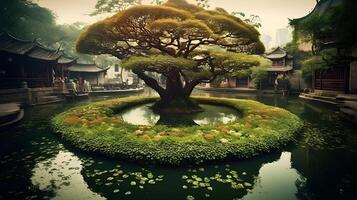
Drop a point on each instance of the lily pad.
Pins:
(189, 197)
(247, 184)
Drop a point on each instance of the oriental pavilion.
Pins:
(27, 63)
(89, 72)
(282, 64)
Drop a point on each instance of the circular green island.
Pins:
(99, 128)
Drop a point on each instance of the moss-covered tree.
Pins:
(184, 42)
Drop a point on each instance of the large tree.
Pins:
(112, 6)
(185, 43)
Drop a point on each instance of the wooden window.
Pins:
(116, 68)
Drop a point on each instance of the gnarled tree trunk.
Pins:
(175, 97)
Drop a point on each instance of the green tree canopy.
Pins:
(26, 19)
(112, 6)
(334, 23)
(184, 42)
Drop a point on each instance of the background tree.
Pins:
(111, 6)
(25, 19)
(184, 42)
(253, 20)
(258, 74)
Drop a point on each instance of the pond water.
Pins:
(144, 115)
(321, 164)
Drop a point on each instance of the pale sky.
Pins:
(273, 13)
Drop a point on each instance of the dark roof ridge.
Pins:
(16, 38)
(277, 48)
(86, 64)
(317, 6)
(34, 45)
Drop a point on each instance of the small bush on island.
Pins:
(97, 128)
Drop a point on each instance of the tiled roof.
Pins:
(89, 68)
(321, 8)
(64, 59)
(11, 44)
(41, 53)
(32, 49)
(276, 53)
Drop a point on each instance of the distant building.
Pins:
(114, 72)
(282, 63)
(121, 75)
(89, 72)
(266, 39)
(282, 37)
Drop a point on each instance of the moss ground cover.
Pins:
(96, 128)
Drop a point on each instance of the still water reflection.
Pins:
(274, 178)
(61, 174)
(36, 164)
(144, 115)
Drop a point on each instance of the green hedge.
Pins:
(96, 128)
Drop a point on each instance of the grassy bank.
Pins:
(96, 128)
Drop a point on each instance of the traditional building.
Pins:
(340, 76)
(28, 63)
(282, 63)
(236, 82)
(89, 72)
(118, 74)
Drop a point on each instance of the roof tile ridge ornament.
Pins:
(43, 47)
(59, 49)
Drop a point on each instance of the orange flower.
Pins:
(99, 120)
(247, 125)
(208, 136)
(222, 129)
(72, 120)
(146, 137)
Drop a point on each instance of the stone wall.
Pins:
(21, 95)
(31, 96)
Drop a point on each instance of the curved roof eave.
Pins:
(320, 8)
